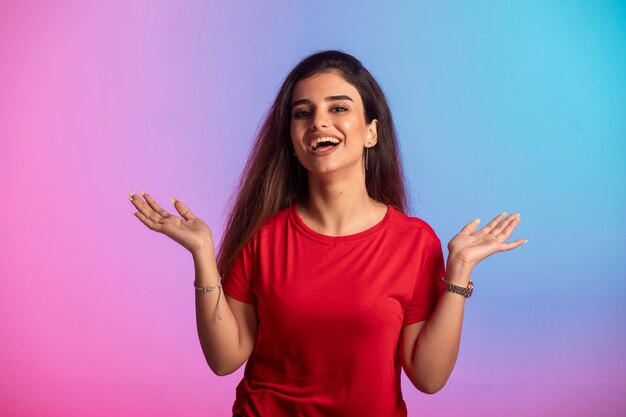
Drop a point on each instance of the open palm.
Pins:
(188, 230)
(470, 246)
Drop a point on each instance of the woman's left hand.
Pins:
(469, 247)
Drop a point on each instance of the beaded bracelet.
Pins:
(209, 289)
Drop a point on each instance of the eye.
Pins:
(338, 109)
(301, 114)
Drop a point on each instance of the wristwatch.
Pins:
(465, 292)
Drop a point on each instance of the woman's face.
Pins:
(328, 127)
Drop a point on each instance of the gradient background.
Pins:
(498, 105)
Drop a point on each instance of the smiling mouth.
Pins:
(324, 143)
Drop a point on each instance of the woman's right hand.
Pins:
(190, 231)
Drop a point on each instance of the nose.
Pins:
(319, 121)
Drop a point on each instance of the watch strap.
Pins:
(464, 291)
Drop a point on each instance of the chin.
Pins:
(323, 170)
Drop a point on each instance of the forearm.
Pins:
(219, 338)
(437, 346)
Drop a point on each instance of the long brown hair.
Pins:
(271, 181)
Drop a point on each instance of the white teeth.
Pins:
(315, 142)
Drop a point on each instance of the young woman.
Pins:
(330, 288)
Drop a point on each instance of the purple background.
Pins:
(517, 107)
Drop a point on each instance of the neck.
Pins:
(340, 206)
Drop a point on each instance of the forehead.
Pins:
(323, 85)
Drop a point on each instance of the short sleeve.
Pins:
(238, 283)
(428, 285)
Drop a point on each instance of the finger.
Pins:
(152, 225)
(508, 246)
(144, 208)
(183, 209)
(470, 227)
(491, 225)
(506, 232)
(505, 223)
(154, 205)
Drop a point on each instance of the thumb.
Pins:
(470, 227)
(183, 210)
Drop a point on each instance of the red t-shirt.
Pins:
(330, 313)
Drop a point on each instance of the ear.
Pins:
(372, 134)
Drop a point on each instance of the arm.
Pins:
(226, 343)
(429, 349)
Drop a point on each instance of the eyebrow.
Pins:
(329, 98)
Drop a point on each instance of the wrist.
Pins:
(203, 250)
(458, 273)
(206, 272)
(459, 262)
